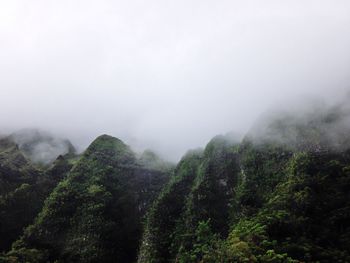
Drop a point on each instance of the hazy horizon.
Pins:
(166, 75)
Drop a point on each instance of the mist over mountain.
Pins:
(165, 76)
(310, 123)
(280, 194)
(39, 146)
(175, 131)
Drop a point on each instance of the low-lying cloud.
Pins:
(306, 124)
(40, 146)
(166, 75)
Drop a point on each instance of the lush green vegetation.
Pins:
(281, 197)
(24, 188)
(95, 212)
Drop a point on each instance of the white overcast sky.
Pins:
(166, 75)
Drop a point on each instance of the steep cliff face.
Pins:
(281, 195)
(202, 189)
(95, 213)
(15, 168)
(167, 209)
(304, 218)
(23, 189)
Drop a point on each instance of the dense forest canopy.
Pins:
(279, 195)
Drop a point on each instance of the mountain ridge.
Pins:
(280, 195)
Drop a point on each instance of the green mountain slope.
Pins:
(163, 215)
(281, 195)
(95, 213)
(202, 189)
(23, 189)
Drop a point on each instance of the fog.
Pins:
(315, 125)
(40, 146)
(166, 75)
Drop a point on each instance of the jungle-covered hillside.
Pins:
(281, 194)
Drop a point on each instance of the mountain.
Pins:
(23, 188)
(201, 188)
(95, 213)
(281, 195)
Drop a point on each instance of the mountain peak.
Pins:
(111, 147)
(107, 142)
